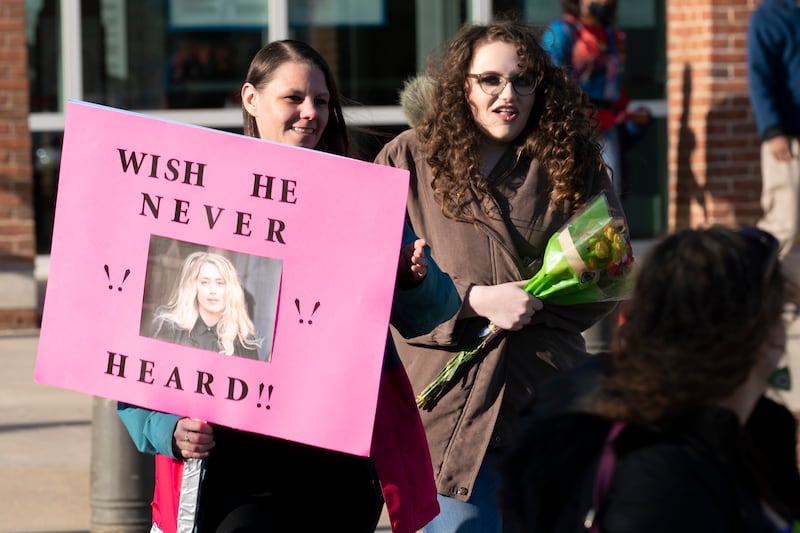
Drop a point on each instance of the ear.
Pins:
(249, 98)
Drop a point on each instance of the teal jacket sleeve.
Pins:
(418, 310)
(151, 431)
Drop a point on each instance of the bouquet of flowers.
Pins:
(588, 260)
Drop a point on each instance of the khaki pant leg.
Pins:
(791, 398)
(780, 195)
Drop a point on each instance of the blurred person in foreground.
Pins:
(671, 430)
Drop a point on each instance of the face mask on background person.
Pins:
(601, 11)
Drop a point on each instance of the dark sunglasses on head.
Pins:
(771, 248)
(768, 247)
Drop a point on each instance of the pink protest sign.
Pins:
(308, 241)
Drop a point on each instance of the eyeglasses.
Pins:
(493, 84)
(768, 248)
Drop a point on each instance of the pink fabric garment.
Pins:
(401, 456)
(167, 493)
(602, 483)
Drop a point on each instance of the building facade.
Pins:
(714, 169)
(17, 244)
(184, 59)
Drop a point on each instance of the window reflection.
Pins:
(180, 54)
(146, 55)
(46, 148)
(205, 69)
(42, 28)
(372, 56)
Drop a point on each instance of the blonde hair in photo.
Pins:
(182, 307)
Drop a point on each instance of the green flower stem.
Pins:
(428, 398)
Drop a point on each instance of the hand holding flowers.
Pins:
(506, 305)
(588, 260)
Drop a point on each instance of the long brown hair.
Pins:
(704, 304)
(559, 134)
(335, 138)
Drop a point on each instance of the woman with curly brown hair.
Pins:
(671, 431)
(499, 162)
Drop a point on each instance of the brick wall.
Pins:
(713, 151)
(17, 246)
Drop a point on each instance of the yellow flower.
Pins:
(601, 250)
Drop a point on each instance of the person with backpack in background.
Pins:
(586, 42)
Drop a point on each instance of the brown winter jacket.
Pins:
(479, 411)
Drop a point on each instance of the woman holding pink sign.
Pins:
(252, 482)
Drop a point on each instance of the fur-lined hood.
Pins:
(415, 99)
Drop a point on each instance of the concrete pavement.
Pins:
(44, 446)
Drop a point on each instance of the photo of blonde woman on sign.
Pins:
(203, 297)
